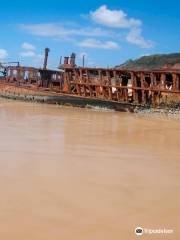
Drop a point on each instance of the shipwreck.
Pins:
(69, 84)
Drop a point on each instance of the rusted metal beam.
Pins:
(105, 83)
(46, 58)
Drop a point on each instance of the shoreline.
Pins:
(29, 95)
(172, 112)
(64, 99)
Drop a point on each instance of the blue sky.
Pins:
(106, 32)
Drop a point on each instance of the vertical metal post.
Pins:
(46, 58)
(83, 61)
(142, 86)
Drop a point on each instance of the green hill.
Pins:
(151, 61)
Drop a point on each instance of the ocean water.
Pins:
(80, 174)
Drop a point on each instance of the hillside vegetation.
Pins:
(151, 61)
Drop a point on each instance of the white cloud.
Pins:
(29, 51)
(113, 18)
(119, 19)
(43, 30)
(59, 31)
(135, 37)
(3, 54)
(28, 54)
(28, 46)
(93, 43)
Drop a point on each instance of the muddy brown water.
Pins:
(77, 174)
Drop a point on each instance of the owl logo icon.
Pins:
(139, 231)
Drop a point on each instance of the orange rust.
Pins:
(138, 87)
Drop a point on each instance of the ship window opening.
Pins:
(158, 78)
(138, 80)
(129, 77)
(111, 74)
(15, 72)
(54, 76)
(1, 72)
(113, 81)
(148, 80)
(92, 74)
(178, 82)
(9, 72)
(78, 73)
(124, 81)
(103, 73)
(129, 81)
(169, 80)
(26, 75)
(104, 79)
(139, 92)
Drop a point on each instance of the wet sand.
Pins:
(77, 174)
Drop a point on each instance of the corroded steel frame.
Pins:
(152, 87)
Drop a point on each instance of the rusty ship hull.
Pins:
(41, 96)
(110, 88)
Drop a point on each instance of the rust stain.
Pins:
(151, 87)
